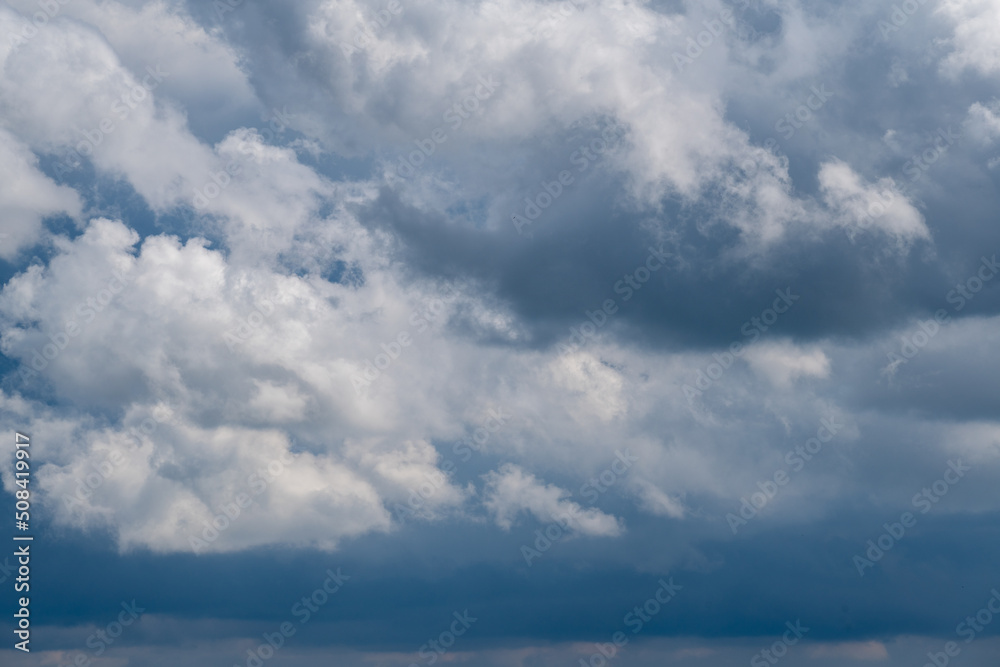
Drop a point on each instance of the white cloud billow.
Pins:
(511, 491)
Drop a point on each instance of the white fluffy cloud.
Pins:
(251, 356)
(860, 206)
(511, 491)
(27, 196)
(975, 44)
(66, 90)
(984, 121)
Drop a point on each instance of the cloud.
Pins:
(27, 196)
(96, 109)
(871, 650)
(596, 386)
(166, 497)
(984, 121)
(657, 502)
(510, 491)
(783, 363)
(858, 206)
(974, 44)
(60, 323)
(257, 337)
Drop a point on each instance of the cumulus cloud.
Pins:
(27, 196)
(596, 385)
(859, 206)
(783, 363)
(657, 502)
(511, 491)
(974, 44)
(60, 323)
(273, 333)
(984, 121)
(96, 110)
(211, 490)
(278, 336)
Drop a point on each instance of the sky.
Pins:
(501, 333)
